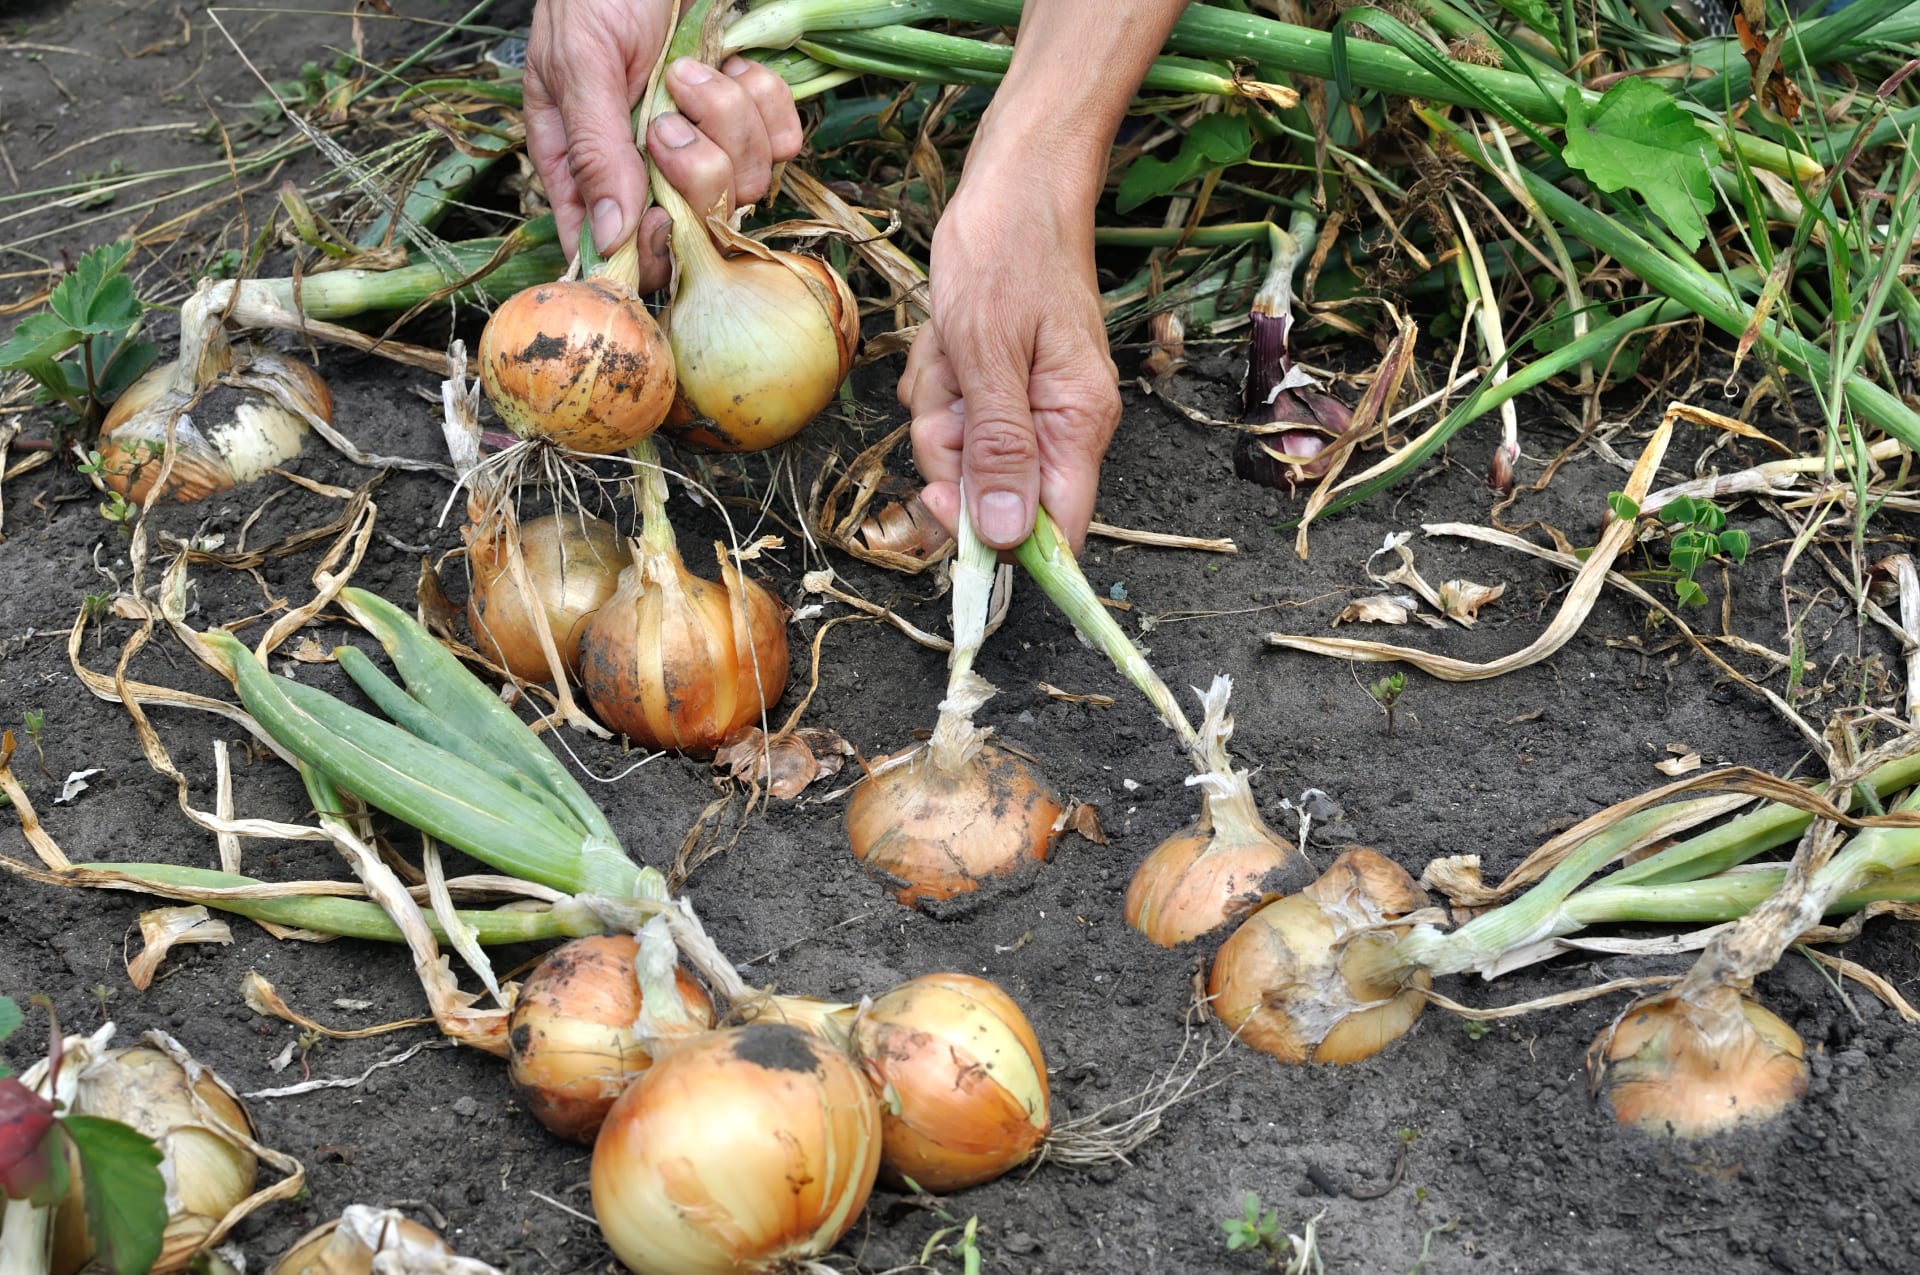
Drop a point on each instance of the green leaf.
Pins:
(1635, 137)
(10, 1018)
(1215, 141)
(1689, 593)
(35, 345)
(124, 366)
(1735, 545)
(1623, 506)
(1536, 15)
(126, 1196)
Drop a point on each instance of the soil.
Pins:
(1508, 1163)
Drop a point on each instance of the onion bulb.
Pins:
(1220, 867)
(676, 661)
(574, 561)
(1696, 1064)
(203, 1133)
(963, 1084)
(574, 1040)
(1313, 978)
(352, 1243)
(235, 413)
(741, 1151)
(579, 363)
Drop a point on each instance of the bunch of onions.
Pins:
(962, 1081)
(204, 1134)
(360, 1237)
(940, 818)
(573, 562)
(234, 413)
(584, 1025)
(745, 1150)
(1314, 977)
(673, 660)
(1215, 871)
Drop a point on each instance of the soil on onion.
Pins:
(1460, 1149)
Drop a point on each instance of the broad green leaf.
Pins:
(1623, 506)
(1689, 593)
(1636, 138)
(1536, 15)
(124, 366)
(1735, 545)
(1215, 141)
(126, 1196)
(36, 343)
(10, 1017)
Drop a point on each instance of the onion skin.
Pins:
(572, 1049)
(581, 364)
(941, 832)
(760, 346)
(1301, 980)
(678, 662)
(1193, 883)
(962, 1080)
(1692, 1066)
(740, 1151)
(574, 561)
(332, 1249)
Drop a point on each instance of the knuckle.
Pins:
(1001, 447)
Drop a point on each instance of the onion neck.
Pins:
(650, 494)
(956, 740)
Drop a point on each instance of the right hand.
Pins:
(587, 67)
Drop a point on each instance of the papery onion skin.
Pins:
(760, 350)
(1671, 1066)
(230, 435)
(1190, 886)
(939, 833)
(683, 664)
(207, 1173)
(574, 561)
(331, 1249)
(581, 363)
(572, 1049)
(740, 1151)
(963, 1082)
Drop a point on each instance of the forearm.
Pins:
(1076, 66)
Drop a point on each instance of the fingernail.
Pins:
(692, 71)
(674, 130)
(1003, 517)
(958, 407)
(735, 65)
(606, 224)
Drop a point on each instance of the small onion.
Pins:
(963, 1084)
(940, 830)
(1697, 1064)
(1310, 977)
(574, 562)
(348, 1245)
(572, 1041)
(741, 1151)
(201, 1128)
(581, 364)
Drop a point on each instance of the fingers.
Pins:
(774, 100)
(601, 160)
(1000, 451)
(737, 125)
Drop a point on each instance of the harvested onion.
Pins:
(1314, 977)
(676, 661)
(741, 1151)
(579, 363)
(962, 1080)
(574, 1040)
(1692, 1065)
(574, 562)
(351, 1244)
(1218, 869)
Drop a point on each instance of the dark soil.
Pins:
(1509, 1165)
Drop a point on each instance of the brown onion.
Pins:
(348, 1245)
(963, 1084)
(741, 1151)
(573, 1040)
(574, 561)
(1691, 1065)
(581, 364)
(1313, 978)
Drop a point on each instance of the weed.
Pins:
(82, 350)
(1285, 1253)
(1700, 532)
(1386, 693)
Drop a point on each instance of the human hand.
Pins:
(1012, 389)
(588, 62)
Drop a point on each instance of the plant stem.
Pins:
(650, 494)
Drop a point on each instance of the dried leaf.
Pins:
(787, 764)
(76, 784)
(1462, 599)
(1674, 767)
(309, 651)
(1096, 699)
(1383, 609)
(263, 997)
(437, 612)
(905, 527)
(162, 928)
(1082, 817)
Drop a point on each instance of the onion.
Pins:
(203, 1133)
(235, 414)
(1219, 868)
(1697, 1064)
(579, 363)
(1311, 977)
(963, 1083)
(350, 1243)
(574, 1040)
(741, 1151)
(673, 660)
(574, 562)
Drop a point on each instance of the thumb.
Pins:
(1000, 451)
(606, 166)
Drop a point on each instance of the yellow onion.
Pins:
(574, 562)
(963, 1084)
(348, 1245)
(574, 1039)
(1311, 978)
(1218, 869)
(1695, 1064)
(740, 1151)
(202, 1130)
(579, 363)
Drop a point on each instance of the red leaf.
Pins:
(25, 1119)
